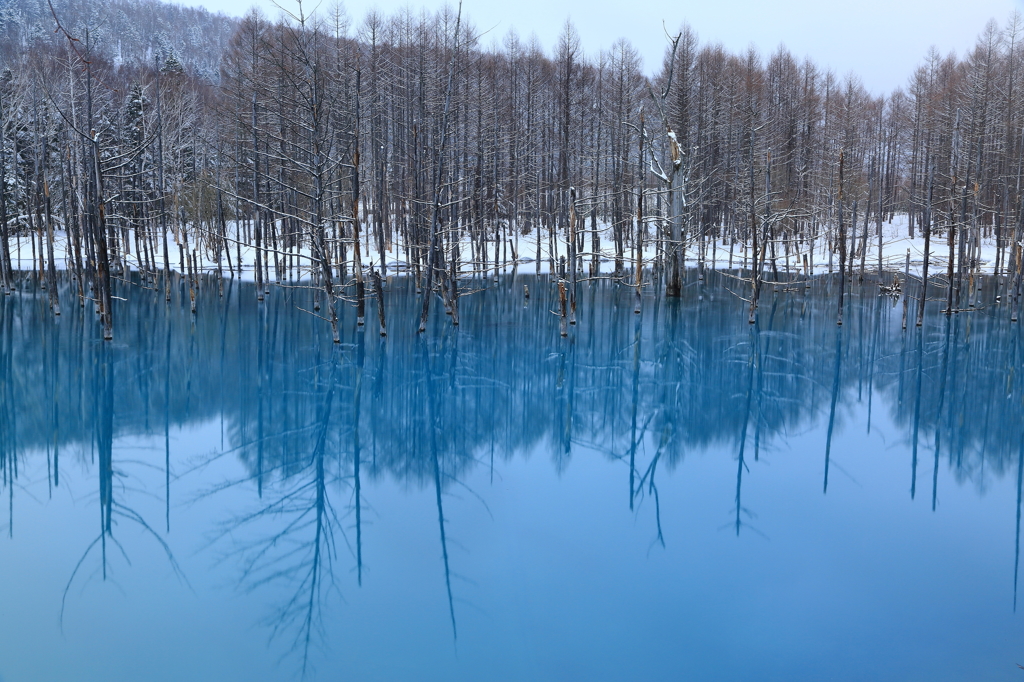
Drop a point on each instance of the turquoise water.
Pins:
(675, 495)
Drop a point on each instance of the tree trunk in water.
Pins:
(378, 291)
(51, 272)
(563, 321)
(927, 227)
(842, 244)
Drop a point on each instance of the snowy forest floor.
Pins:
(719, 254)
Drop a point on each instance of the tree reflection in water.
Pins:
(110, 490)
(309, 424)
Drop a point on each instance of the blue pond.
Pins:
(674, 495)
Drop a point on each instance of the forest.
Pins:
(276, 282)
(338, 152)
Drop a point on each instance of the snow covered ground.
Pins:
(895, 246)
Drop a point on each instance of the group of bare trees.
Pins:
(339, 152)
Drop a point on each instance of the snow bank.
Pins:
(717, 255)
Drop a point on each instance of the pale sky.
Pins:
(882, 41)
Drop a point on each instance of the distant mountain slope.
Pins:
(124, 31)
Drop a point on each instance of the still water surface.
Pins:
(675, 495)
